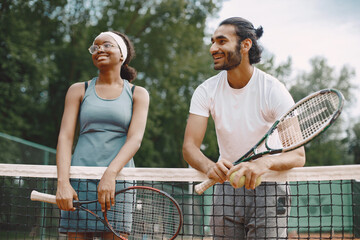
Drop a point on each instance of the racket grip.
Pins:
(42, 197)
(202, 187)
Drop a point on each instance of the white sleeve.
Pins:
(200, 102)
(281, 101)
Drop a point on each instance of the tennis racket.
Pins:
(139, 212)
(303, 122)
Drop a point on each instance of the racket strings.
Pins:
(144, 213)
(306, 120)
(317, 112)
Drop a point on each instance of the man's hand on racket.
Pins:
(252, 170)
(106, 190)
(219, 170)
(65, 194)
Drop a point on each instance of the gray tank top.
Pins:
(103, 127)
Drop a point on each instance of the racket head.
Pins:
(308, 118)
(142, 211)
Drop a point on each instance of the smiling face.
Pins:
(225, 48)
(106, 56)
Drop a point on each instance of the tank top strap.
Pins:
(129, 90)
(126, 85)
(92, 82)
(90, 87)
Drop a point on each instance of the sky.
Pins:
(303, 29)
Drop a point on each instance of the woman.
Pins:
(112, 115)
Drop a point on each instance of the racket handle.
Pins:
(202, 187)
(42, 197)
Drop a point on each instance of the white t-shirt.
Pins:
(241, 116)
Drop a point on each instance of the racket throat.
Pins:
(121, 235)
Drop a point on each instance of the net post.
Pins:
(43, 213)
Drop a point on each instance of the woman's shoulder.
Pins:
(78, 89)
(139, 92)
(81, 85)
(139, 89)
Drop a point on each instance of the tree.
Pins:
(331, 147)
(282, 71)
(45, 46)
(52, 54)
(354, 140)
(28, 33)
(171, 61)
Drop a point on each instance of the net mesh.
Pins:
(305, 203)
(145, 211)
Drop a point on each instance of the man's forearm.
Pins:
(197, 159)
(286, 161)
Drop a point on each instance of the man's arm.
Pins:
(194, 135)
(254, 169)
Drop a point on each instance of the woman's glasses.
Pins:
(95, 48)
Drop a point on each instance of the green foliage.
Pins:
(354, 140)
(43, 47)
(27, 35)
(171, 61)
(174, 61)
(323, 76)
(331, 148)
(282, 71)
(45, 44)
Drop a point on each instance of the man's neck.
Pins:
(240, 76)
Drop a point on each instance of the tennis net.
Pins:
(307, 203)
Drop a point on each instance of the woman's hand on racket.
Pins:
(219, 170)
(106, 190)
(65, 195)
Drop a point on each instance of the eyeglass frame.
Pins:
(98, 46)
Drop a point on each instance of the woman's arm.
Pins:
(65, 193)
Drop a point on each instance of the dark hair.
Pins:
(245, 29)
(127, 72)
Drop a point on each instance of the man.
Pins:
(244, 102)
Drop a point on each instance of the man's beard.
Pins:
(232, 61)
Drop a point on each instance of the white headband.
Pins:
(120, 41)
